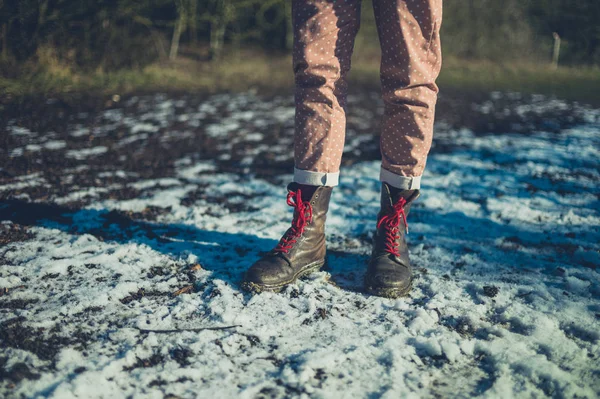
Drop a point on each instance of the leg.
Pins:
(324, 33)
(410, 63)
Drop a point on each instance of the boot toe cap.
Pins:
(267, 273)
(388, 280)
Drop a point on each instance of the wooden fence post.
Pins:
(555, 50)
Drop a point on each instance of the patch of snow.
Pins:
(84, 153)
(504, 241)
(55, 144)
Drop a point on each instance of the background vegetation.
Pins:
(121, 45)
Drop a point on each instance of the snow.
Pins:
(86, 152)
(504, 241)
(34, 179)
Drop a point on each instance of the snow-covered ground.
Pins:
(126, 284)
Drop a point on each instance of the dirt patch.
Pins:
(13, 233)
(87, 148)
(44, 344)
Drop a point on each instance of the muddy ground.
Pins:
(60, 155)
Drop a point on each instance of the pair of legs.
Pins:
(324, 33)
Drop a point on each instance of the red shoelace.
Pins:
(391, 222)
(302, 216)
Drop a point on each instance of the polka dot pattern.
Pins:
(324, 33)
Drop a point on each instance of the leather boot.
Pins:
(389, 273)
(301, 250)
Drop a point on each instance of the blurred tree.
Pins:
(8, 13)
(218, 14)
(489, 29)
(577, 23)
(193, 21)
(183, 8)
(112, 34)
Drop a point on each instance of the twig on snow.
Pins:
(147, 330)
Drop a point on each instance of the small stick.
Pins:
(145, 330)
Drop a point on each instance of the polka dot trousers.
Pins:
(324, 33)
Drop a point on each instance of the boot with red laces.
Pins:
(389, 273)
(301, 250)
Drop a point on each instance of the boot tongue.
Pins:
(307, 190)
(393, 194)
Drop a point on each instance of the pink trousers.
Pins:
(324, 33)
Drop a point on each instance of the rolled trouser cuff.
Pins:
(316, 178)
(398, 181)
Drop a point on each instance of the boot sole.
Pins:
(389, 292)
(258, 288)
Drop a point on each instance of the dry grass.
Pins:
(249, 69)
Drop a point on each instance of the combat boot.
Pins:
(301, 250)
(389, 273)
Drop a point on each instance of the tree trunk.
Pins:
(217, 29)
(289, 29)
(4, 42)
(175, 40)
(158, 43)
(193, 21)
(179, 27)
(217, 35)
(473, 34)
